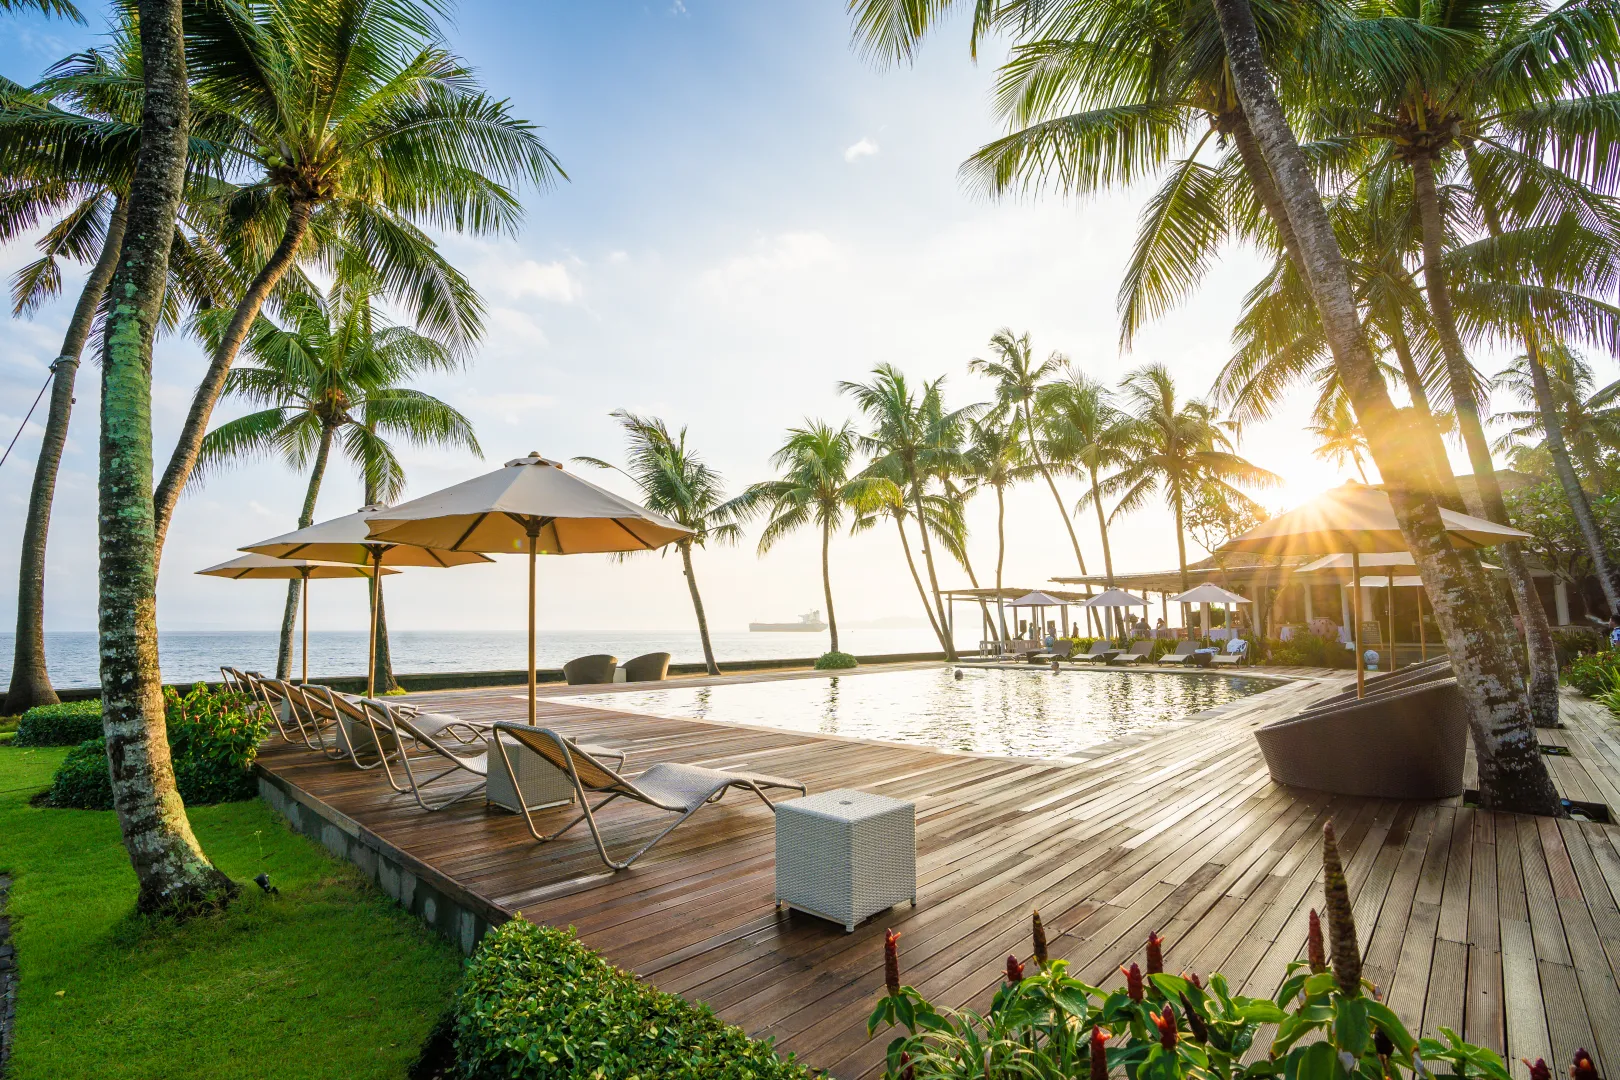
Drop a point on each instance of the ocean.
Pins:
(189, 655)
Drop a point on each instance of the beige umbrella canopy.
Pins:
(1356, 518)
(1359, 520)
(261, 567)
(345, 540)
(530, 505)
(1210, 593)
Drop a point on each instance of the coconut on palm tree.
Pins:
(676, 482)
(332, 378)
(817, 486)
(358, 129)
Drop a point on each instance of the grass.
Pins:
(328, 979)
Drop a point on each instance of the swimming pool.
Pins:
(1024, 713)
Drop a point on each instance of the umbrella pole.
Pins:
(305, 592)
(1389, 604)
(532, 539)
(1355, 615)
(371, 645)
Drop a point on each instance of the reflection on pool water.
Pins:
(1025, 713)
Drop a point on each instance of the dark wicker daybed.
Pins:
(590, 670)
(1404, 740)
(648, 667)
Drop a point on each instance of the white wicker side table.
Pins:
(542, 783)
(844, 855)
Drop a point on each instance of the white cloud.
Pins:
(865, 148)
(784, 254)
(678, 8)
(545, 281)
(511, 408)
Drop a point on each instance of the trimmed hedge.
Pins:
(66, 724)
(835, 661)
(535, 1004)
(212, 742)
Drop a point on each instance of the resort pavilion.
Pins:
(1266, 580)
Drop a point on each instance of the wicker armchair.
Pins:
(649, 667)
(1403, 742)
(590, 670)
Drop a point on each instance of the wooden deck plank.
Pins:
(1503, 927)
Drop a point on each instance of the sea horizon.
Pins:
(189, 655)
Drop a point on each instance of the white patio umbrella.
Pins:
(261, 567)
(1115, 599)
(345, 540)
(529, 505)
(1210, 593)
(1360, 520)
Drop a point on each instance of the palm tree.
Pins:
(1018, 381)
(360, 128)
(1473, 621)
(1586, 418)
(1178, 448)
(899, 442)
(816, 487)
(68, 148)
(675, 482)
(997, 458)
(1084, 431)
(174, 875)
(332, 377)
(1338, 436)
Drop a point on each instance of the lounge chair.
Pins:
(1184, 653)
(1100, 651)
(649, 667)
(590, 670)
(1236, 652)
(1406, 742)
(1140, 651)
(680, 789)
(394, 728)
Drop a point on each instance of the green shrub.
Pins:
(835, 661)
(1571, 644)
(1592, 675)
(535, 1004)
(1305, 650)
(66, 724)
(212, 741)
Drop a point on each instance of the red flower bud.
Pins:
(1015, 970)
(1099, 1055)
(1195, 1022)
(1192, 977)
(1166, 1023)
(1538, 1070)
(1040, 941)
(1155, 954)
(1315, 950)
(891, 962)
(908, 1071)
(1133, 981)
(1583, 1069)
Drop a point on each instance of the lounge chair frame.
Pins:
(589, 775)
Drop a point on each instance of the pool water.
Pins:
(1024, 713)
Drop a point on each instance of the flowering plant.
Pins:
(1328, 1023)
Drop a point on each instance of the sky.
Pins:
(753, 213)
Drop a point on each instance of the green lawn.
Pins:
(329, 979)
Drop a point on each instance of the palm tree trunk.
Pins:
(1471, 616)
(697, 606)
(1102, 530)
(826, 581)
(922, 593)
(184, 457)
(1181, 554)
(1263, 183)
(382, 666)
(1607, 574)
(30, 681)
(174, 875)
(306, 518)
(1001, 555)
(1445, 480)
(1543, 655)
(933, 579)
(1051, 484)
(1557, 446)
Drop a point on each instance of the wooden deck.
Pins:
(1505, 928)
